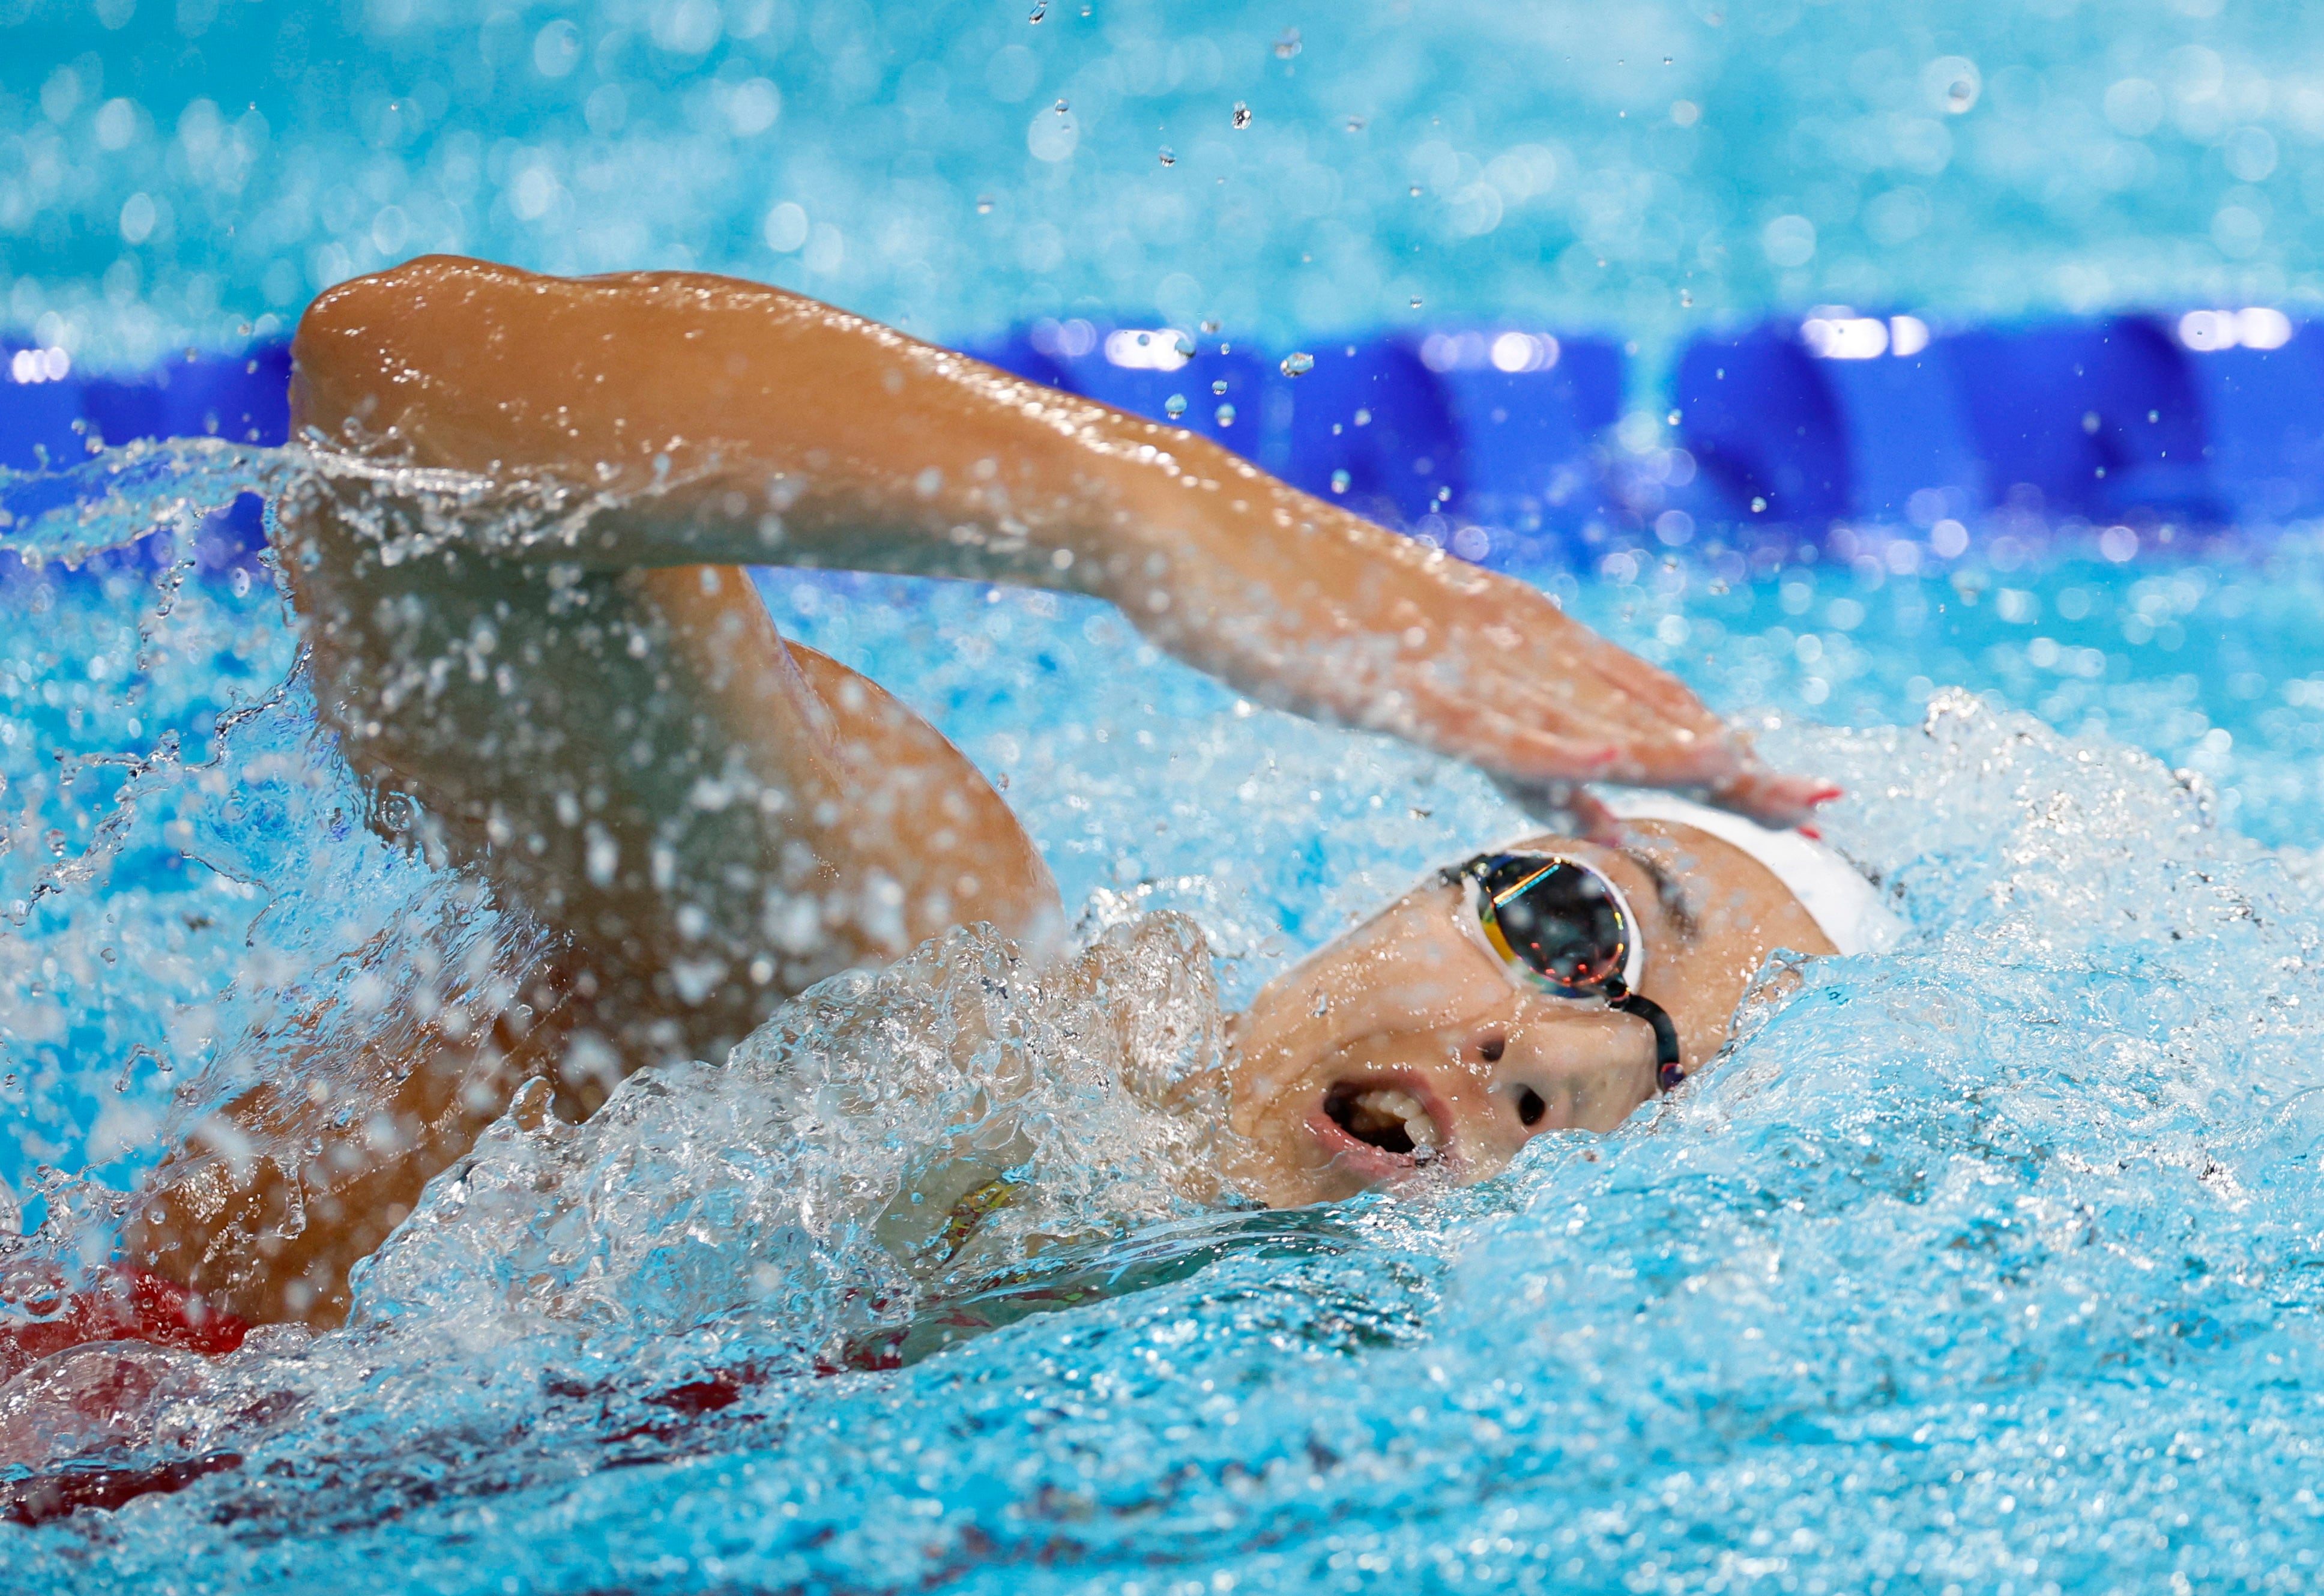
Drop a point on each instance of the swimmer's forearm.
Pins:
(690, 419)
(700, 421)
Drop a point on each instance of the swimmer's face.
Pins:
(1403, 1052)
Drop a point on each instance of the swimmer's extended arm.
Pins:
(693, 420)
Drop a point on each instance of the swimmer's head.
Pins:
(1403, 1051)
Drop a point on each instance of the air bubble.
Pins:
(1355, 124)
(1339, 480)
(1219, 386)
(1169, 156)
(1175, 406)
(1241, 115)
(1289, 45)
(1040, 10)
(1211, 326)
(1297, 366)
(984, 205)
(1184, 345)
(1226, 414)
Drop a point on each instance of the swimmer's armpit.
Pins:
(701, 420)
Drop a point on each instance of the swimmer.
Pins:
(518, 572)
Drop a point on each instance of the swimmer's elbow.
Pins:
(360, 343)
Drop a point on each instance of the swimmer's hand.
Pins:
(1310, 609)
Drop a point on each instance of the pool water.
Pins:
(1990, 1264)
(171, 173)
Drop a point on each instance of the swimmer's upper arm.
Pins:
(693, 420)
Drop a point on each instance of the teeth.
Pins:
(1390, 1103)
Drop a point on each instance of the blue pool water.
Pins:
(1990, 1264)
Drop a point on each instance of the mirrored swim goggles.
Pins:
(1560, 926)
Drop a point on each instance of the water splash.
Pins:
(2010, 1231)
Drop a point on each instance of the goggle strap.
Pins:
(1668, 1072)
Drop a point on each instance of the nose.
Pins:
(1529, 1104)
(1561, 1072)
(1519, 1098)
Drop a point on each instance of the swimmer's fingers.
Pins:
(1569, 705)
(1531, 710)
(1719, 767)
(1534, 716)
(1772, 798)
(1363, 630)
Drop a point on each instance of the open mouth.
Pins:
(1387, 1117)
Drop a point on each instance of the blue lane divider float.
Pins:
(2211, 415)
(1490, 425)
(1494, 425)
(50, 414)
(2259, 382)
(2100, 417)
(1218, 390)
(1766, 428)
(2207, 417)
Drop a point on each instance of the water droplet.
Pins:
(1040, 10)
(1184, 345)
(1169, 156)
(1416, 301)
(1175, 406)
(1686, 299)
(1673, 417)
(1758, 505)
(1339, 480)
(984, 205)
(1061, 107)
(1363, 417)
(1666, 60)
(1226, 415)
(1415, 191)
(1210, 327)
(1355, 124)
(240, 581)
(1219, 386)
(1241, 115)
(1297, 366)
(1289, 45)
